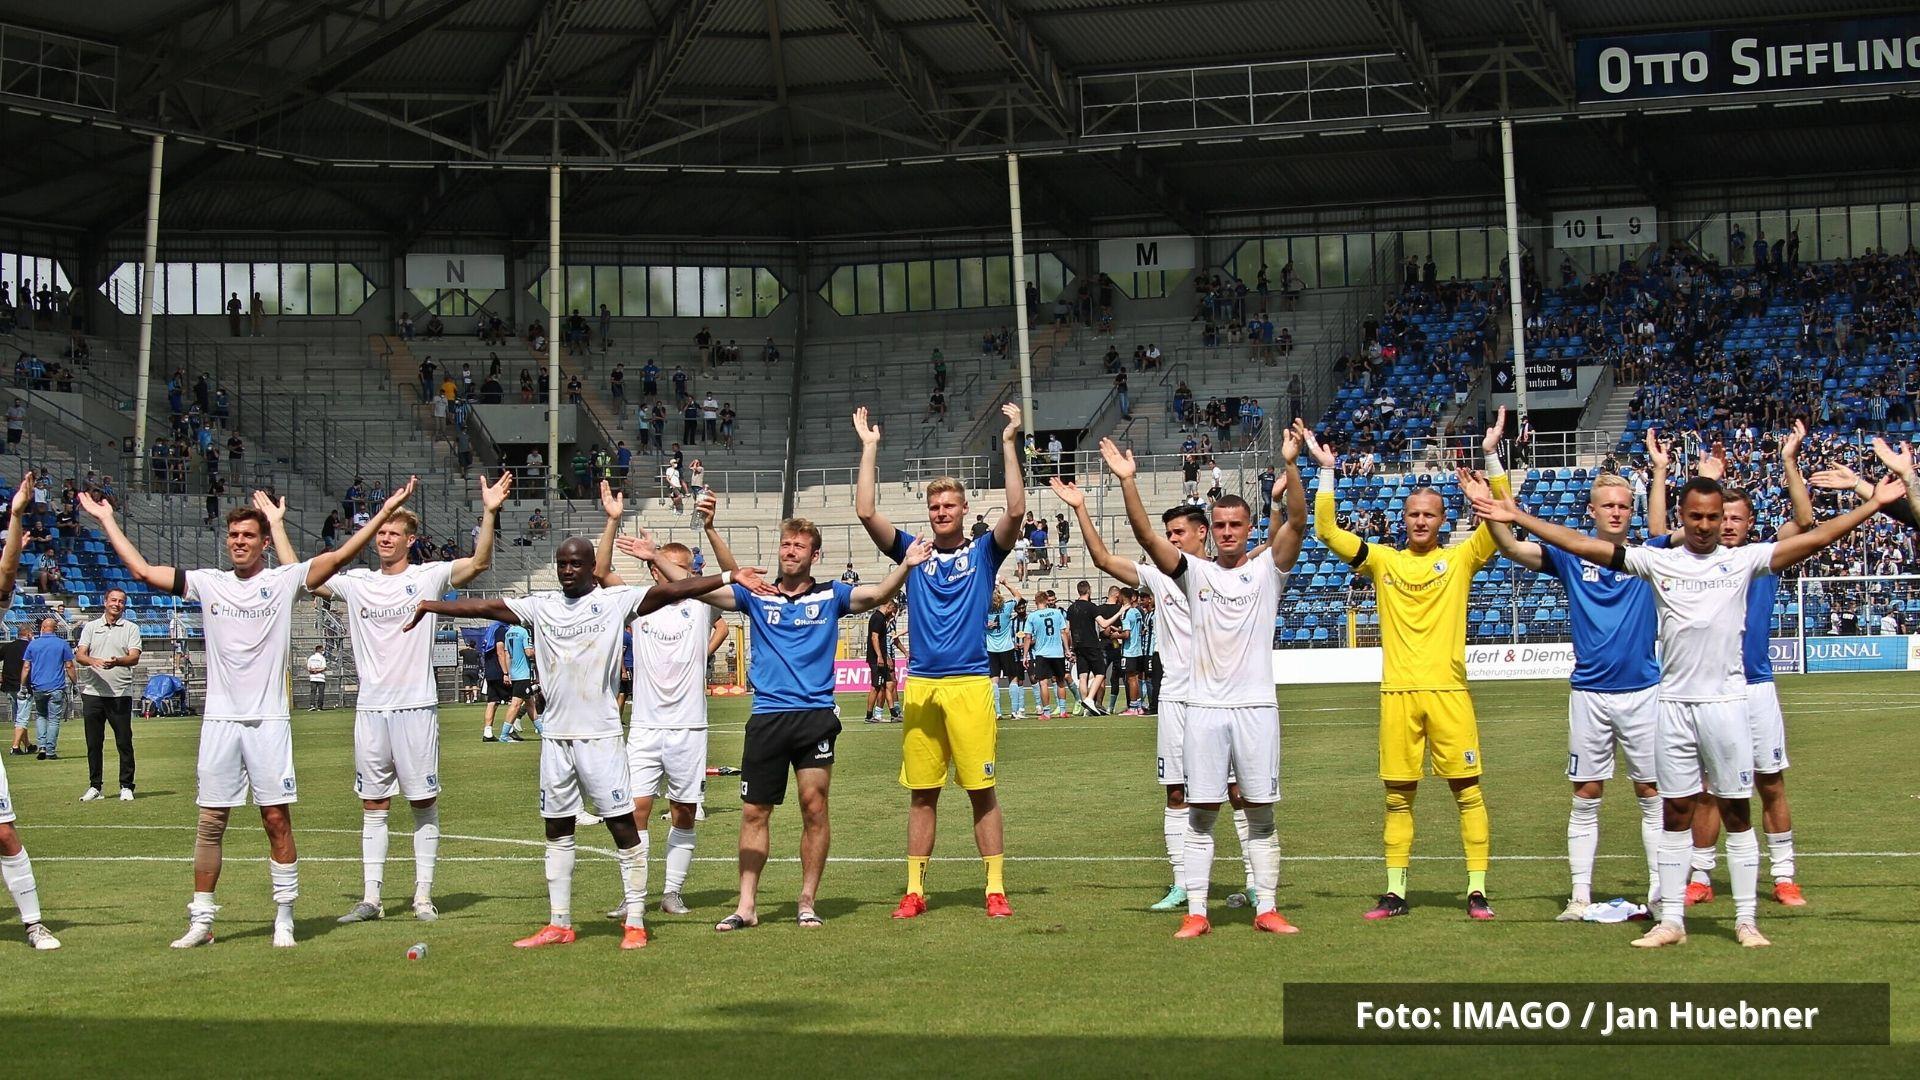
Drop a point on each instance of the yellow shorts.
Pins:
(1416, 722)
(946, 723)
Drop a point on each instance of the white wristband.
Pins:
(1329, 478)
(726, 577)
(1493, 465)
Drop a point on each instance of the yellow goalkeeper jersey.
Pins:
(1422, 599)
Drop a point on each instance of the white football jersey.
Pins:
(395, 667)
(577, 657)
(248, 625)
(1703, 616)
(1233, 613)
(1172, 633)
(670, 666)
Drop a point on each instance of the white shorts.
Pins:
(396, 750)
(594, 770)
(1769, 728)
(1223, 742)
(1169, 740)
(236, 756)
(1705, 742)
(669, 761)
(1596, 720)
(6, 799)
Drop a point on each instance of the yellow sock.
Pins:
(917, 874)
(1474, 835)
(994, 866)
(1399, 838)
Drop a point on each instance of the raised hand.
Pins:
(1119, 462)
(755, 580)
(1012, 413)
(1890, 490)
(493, 496)
(917, 552)
(613, 504)
(98, 509)
(1497, 430)
(1492, 509)
(1280, 482)
(1791, 446)
(1713, 462)
(1068, 492)
(275, 509)
(707, 506)
(1835, 478)
(1900, 463)
(1473, 485)
(637, 547)
(23, 495)
(869, 433)
(1323, 456)
(1291, 440)
(1659, 450)
(400, 495)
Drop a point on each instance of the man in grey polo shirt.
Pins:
(109, 649)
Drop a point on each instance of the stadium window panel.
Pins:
(1446, 253)
(946, 284)
(1496, 249)
(1773, 226)
(768, 293)
(686, 291)
(1360, 268)
(999, 281)
(840, 290)
(866, 289)
(893, 287)
(293, 289)
(606, 290)
(1333, 261)
(266, 282)
(740, 294)
(207, 297)
(973, 283)
(1893, 227)
(1415, 244)
(713, 292)
(633, 292)
(1473, 254)
(920, 286)
(354, 288)
(121, 288)
(1305, 254)
(176, 297)
(323, 297)
(576, 290)
(1053, 274)
(32, 271)
(660, 291)
(1830, 225)
(1713, 237)
(238, 280)
(1273, 254)
(1863, 229)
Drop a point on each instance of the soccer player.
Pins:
(795, 632)
(883, 703)
(1232, 717)
(1615, 677)
(1003, 651)
(246, 730)
(1046, 634)
(1089, 654)
(1422, 593)
(396, 718)
(517, 643)
(948, 706)
(1133, 651)
(581, 755)
(1186, 528)
(15, 868)
(493, 665)
(1701, 587)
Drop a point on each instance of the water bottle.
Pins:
(417, 951)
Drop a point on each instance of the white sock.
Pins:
(1673, 875)
(633, 880)
(201, 909)
(286, 889)
(1246, 860)
(1263, 851)
(426, 848)
(487, 732)
(1704, 860)
(679, 858)
(1174, 826)
(1199, 857)
(373, 852)
(18, 873)
(1652, 824)
(1780, 854)
(1743, 868)
(1583, 839)
(560, 855)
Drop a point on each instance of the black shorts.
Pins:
(469, 678)
(1133, 665)
(626, 683)
(1091, 661)
(522, 689)
(1115, 663)
(497, 692)
(1005, 665)
(879, 672)
(777, 741)
(1049, 667)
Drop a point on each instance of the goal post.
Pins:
(1841, 624)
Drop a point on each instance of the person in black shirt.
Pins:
(1114, 644)
(1089, 657)
(13, 656)
(883, 700)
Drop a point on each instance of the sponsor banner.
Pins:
(1547, 660)
(1543, 375)
(851, 676)
(1891, 652)
(431, 270)
(1785, 654)
(1632, 225)
(1748, 59)
(1484, 662)
(1136, 254)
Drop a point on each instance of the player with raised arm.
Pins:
(1613, 699)
(246, 731)
(581, 756)
(1701, 587)
(1232, 715)
(796, 628)
(1763, 697)
(1045, 631)
(1422, 591)
(949, 721)
(396, 718)
(15, 868)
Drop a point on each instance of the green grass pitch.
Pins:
(1082, 980)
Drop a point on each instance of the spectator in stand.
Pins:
(703, 345)
(1120, 393)
(710, 416)
(939, 362)
(234, 311)
(727, 418)
(574, 389)
(622, 465)
(850, 575)
(936, 408)
(16, 424)
(679, 380)
(617, 384)
(491, 392)
(606, 327)
(979, 527)
(689, 420)
(650, 379)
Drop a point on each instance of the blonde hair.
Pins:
(676, 549)
(943, 484)
(1607, 480)
(407, 520)
(799, 526)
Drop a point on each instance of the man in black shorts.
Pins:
(883, 699)
(493, 665)
(1089, 655)
(1113, 642)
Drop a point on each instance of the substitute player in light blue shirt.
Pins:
(1615, 681)
(1133, 654)
(519, 645)
(1047, 635)
(1003, 651)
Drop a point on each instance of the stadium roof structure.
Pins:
(849, 118)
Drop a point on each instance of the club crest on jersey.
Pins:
(823, 747)
(286, 784)
(619, 795)
(986, 769)
(813, 611)
(1470, 756)
(412, 589)
(266, 594)
(1746, 777)
(594, 608)
(1244, 579)
(1439, 566)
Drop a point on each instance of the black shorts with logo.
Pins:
(1006, 665)
(779, 741)
(497, 692)
(879, 672)
(523, 689)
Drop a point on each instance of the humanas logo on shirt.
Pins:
(388, 614)
(1209, 596)
(230, 612)
(1700, 585)
(562, 633)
